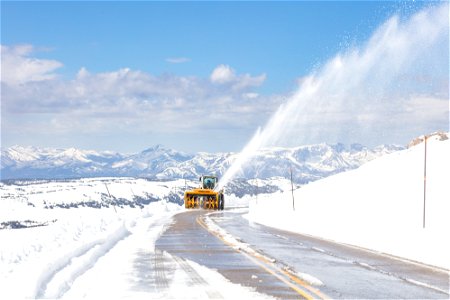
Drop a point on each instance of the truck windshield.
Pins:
(209, 182)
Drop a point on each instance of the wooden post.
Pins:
(257, 190)
(110, 198)
(292, 190)
(424, 181)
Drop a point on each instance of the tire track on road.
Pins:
(161, 281)
(196, 278)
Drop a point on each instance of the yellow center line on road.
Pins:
(282, 275)
(305, 285)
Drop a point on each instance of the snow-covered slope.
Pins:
(308, 163)
(95, 238)
(378, 206)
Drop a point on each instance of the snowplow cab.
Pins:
(205, 196)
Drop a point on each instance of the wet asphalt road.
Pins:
(346, 272)
(187, 239)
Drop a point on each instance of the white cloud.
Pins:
(250, 95)
(246, 81)
(18, 67)
(222, 74)
(225, 75)
(177, 60)
(82, 73)
(129, 100)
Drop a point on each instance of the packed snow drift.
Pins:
(379, 206)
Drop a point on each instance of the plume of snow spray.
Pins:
(399, 73)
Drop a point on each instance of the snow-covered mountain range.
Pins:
(308, 163)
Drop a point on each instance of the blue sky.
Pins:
(160, 62)
(283, 40)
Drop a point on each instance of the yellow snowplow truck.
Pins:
(205, 197)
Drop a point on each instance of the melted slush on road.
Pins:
(187, 239)
(342, 271)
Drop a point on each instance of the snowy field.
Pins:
(94, 238)
(378, 206)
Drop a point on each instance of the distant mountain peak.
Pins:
(157, 147)
(309, 162)
(438, 135)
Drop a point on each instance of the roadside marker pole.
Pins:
(257, 191)
(110, 198)
(424, 181)
(292, 190)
